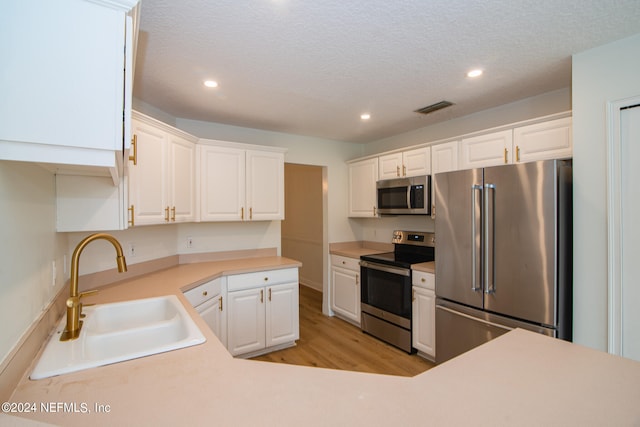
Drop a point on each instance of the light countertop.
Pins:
(426, 267)
(520, 378)
(358, 248)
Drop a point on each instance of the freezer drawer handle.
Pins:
(475, 279)
(486, 322)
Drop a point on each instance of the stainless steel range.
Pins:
(386, 287)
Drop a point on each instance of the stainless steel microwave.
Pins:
(405, 196)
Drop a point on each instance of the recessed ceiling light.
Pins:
(474, 73)
(365, 116)
(211, 83)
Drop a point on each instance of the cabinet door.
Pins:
(362, 188)
(282, 321)
(213, 314)
(424, 321)
(416, 162)
(78, 46)
(222, 183)
(345, 293)
(182, 185)
(493, 149)
(148, 178)
(246, 321)
(541, 141)
(265, 186)
(444, 157)
(390, 166)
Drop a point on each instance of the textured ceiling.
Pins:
(312, 67)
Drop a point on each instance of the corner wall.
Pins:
(604, 74)
(30, 246)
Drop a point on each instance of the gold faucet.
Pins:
(74, 306)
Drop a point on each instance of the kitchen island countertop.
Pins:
(520, 378)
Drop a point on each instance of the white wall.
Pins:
(607, 73)
(29, 247)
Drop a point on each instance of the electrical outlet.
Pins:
(132, 250)
(189, 242)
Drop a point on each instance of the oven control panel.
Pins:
(420, 238)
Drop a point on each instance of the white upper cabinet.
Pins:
(62, 83)
(444, 157)
(222, 183)
(541, 141)
(239, 184)
(162, 177)
(407, 163)
(265, 185)
(492, 149)
(363, 175)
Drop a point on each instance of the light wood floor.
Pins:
(329, 342)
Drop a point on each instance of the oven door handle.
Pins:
(386, 268)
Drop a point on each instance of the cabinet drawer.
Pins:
(345, 262)
(262, 278)
(423, 280)
(204, 292)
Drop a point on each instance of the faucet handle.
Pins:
(84, 294)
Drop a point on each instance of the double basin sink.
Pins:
(116, 332)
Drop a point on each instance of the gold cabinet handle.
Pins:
(404, 170)
(423, 280)
(506, 153)
(269, 294)
(166, 214)
(261, 295)
(242, 213)
(374, 211)
(220, 302)
(131, 213)
(517, 153)
(357, 279)
(397, 170)
(173, 213)
(134, 146)
(205, 293)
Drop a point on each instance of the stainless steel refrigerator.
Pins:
(504, 257)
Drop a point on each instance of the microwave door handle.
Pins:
(409, 196)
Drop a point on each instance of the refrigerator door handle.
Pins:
(476, 283)
(489, 241)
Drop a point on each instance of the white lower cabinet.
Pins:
(209, 300)
(345, 288)
(263, 312)
(424, 314)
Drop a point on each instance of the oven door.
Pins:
(386, 292)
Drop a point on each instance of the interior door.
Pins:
(520, 246)
(458, 198)
(630, 176)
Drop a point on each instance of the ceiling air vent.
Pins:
(434, 107)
